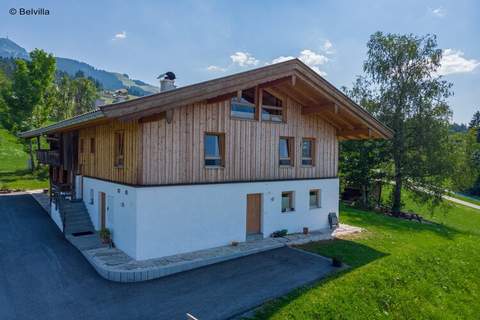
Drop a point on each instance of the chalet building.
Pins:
(200, 166)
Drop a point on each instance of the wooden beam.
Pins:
(323, 108)
(276, 82)
(169, 116)
(355, 132)
(154, 117)
(221, 98)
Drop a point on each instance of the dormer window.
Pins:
(243, 105)
(272, 107)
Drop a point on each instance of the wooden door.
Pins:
(254, 212)
(101, 196)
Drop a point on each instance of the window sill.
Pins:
(214, 167)
(243, 119)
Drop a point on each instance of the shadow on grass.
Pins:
(368, 219)
(352, 253)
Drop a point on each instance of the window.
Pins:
(315, 199)
(287, 201)
(308, 152)
(119, 149)
(81, 145)
(214, 149)
(244, 107)
(271, 108)
(286, 151)
(92, 145)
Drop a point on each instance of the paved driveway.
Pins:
(43, 277)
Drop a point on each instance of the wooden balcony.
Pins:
(51, 157)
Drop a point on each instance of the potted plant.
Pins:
(336, 262)
(105, 235)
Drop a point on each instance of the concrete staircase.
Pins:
(77, 221)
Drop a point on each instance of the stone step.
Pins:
(87, 242)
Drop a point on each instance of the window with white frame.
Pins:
(314, 198)
(287, 201)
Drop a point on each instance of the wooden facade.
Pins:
(174, 153)
(100, 162)
(158, 152)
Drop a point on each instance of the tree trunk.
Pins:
(32, 162)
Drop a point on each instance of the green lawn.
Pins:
(399, 270)
(13, 166)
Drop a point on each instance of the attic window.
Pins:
(243, 105)
(272, 108)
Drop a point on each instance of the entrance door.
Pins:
(102, 204)
(254, 212)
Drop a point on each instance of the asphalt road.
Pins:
(43, 277)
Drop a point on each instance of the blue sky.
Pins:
(200, 40)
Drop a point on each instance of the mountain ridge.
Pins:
(109, 80)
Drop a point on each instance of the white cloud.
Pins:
(439, 12)
(328, 47)
(282, 59)
(453, 61)
(244, 59)
(120, 36)
(216, 69)
(311, 58)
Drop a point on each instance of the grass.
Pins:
(399, 269)
(13, 166)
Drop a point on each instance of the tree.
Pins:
(475, 122)
(32, 94)
(402, 70)
(362, 163)
(85, 94)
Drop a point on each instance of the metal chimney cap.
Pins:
(167, 75)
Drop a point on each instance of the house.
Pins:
(200, 166)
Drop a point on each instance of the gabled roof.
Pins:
(292, 78)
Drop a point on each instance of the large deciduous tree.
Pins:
(402, 72)
(32, 90)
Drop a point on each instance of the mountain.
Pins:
(9, 49)
(109, 80)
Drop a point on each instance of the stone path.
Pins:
(113, 264)
(42, 198)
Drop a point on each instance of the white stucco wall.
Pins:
(55, 214)
(161, 221)
(179, 219)
(120, 217)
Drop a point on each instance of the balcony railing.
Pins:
(51, 157)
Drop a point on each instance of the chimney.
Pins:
(167, 81)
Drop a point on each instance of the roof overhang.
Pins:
(292, 78)
(65, 125)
